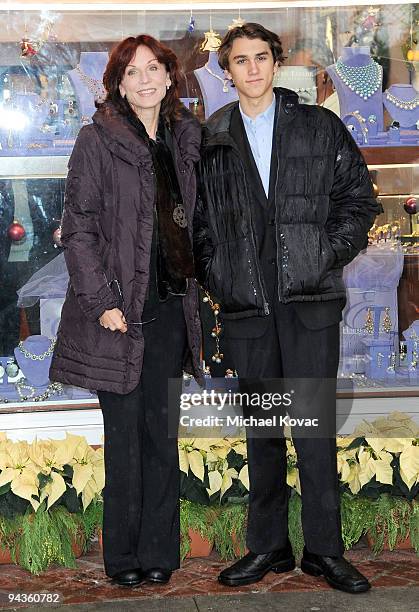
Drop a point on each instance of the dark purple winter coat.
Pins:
(107, 231)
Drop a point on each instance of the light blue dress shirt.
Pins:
(259, 134)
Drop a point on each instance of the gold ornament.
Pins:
(216, 330)
(212, 41)
(236, 23)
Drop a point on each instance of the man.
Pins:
(286, 201)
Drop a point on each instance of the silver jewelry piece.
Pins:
(12, 369)
(93, 85)
(223, 81)
(40, 357)
(403, 104)
(179, 216)
(364, 81)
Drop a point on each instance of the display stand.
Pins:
(86, 80)
(217, 90)
(358, 82)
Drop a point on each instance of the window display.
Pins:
(361, 62)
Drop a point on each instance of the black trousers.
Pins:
(141, 495)
(289, 349)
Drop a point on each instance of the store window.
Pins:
(362, 62)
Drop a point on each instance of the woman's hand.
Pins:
(113, 320)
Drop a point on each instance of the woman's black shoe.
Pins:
(129, 578)
(253, 567)
(338, 572)
(158, 575)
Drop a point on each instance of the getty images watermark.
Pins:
(264, 401)
(262, 407)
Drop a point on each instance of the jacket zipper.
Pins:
(266, 309)
(278, 242)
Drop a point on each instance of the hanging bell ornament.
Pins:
(56, 236)
(16, 232)
(411, 206)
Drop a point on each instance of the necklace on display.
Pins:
(226, 88)
(22, 386)
(40, 357)
(93, 85)
(364, 81)
(403, 104)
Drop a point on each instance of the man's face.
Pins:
(251, 67)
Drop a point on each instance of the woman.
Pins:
(130, 320)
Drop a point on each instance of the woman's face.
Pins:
(145, 81)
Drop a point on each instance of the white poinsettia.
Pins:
(409, 465)
(17, 469)
(244, 476)
(88, 470)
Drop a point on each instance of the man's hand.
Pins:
(113, 320)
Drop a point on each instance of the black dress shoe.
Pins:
(339, 573)
(129, 578)
(158, 575)
(253, 567)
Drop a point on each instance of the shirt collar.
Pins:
(268, 114)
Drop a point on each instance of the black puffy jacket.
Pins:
(324, 207)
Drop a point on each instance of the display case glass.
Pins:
(361, 61)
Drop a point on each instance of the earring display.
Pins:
(387, 324)
(12, 369)
(369, 322)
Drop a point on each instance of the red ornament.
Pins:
(16, 232)
(26, 48)
(411, 206)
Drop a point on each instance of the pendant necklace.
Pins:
(93, 85)
(364, 81)
(223, 81)
(403, 104)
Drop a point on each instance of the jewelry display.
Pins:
(93, 85)
(70, 107)
(380, 360)
(52, 389)
(362, 80)
(361, 122)
(40, 357)
(37, 145)
(403, 104)
(392, 367)
(224, 81)
(387, 324)
(216, 330)
(2, 370)
(53, 109)
(369, 322)
(12, 369)
(414, 362)
(372, 124)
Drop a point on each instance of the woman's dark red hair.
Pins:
(121, 56)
